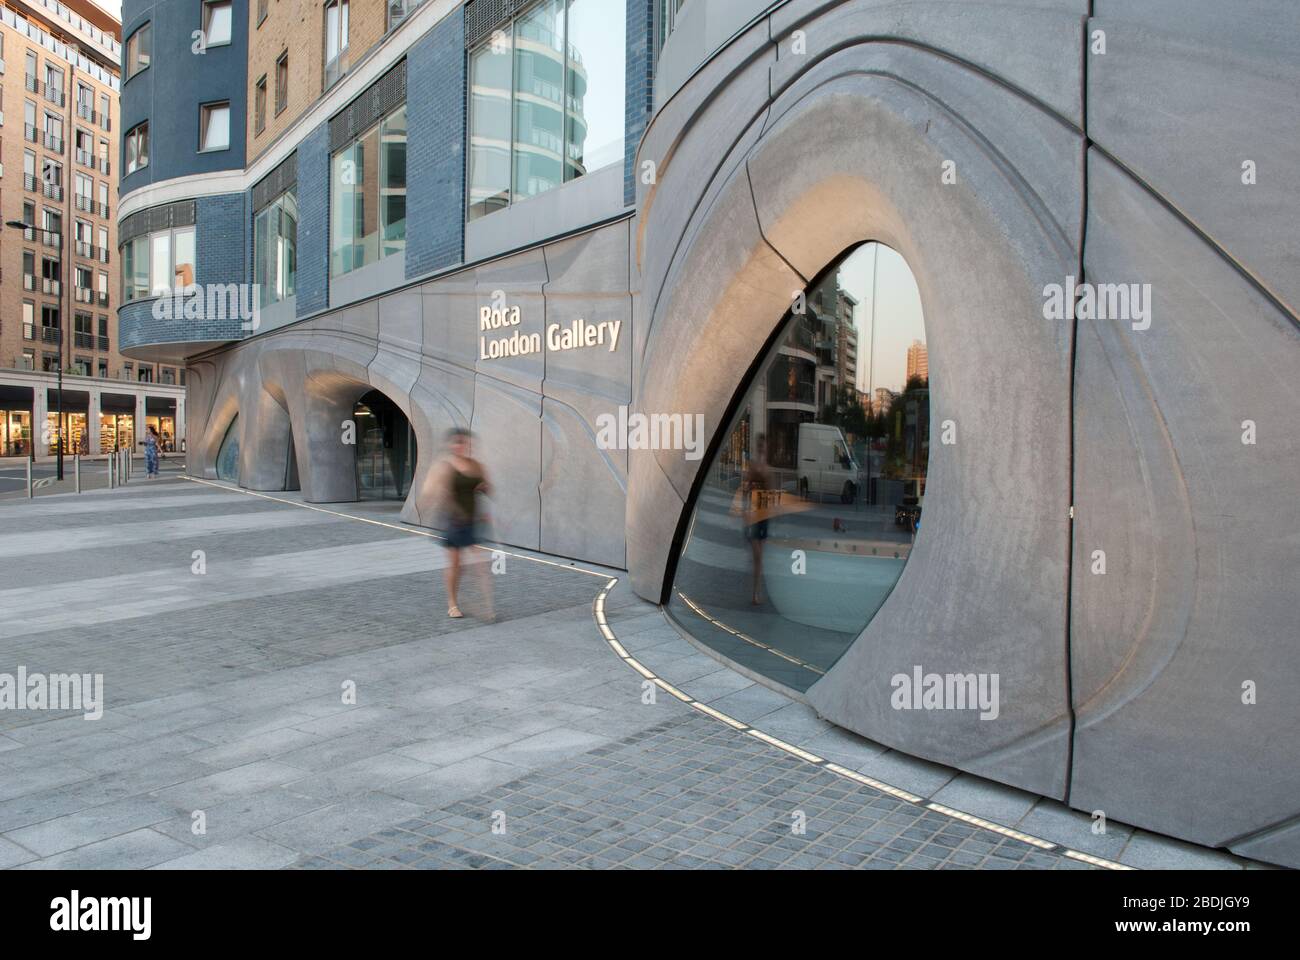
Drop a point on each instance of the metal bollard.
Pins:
(29, 478)
(76, 470)
(108, 470)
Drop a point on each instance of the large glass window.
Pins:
(368, 196)
(813, 501)
(137, 51)
(490, 125)
(157, 264)
(275, 243)
(547, 101)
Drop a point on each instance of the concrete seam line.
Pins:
(598, 614)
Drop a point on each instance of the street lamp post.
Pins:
(20, 225)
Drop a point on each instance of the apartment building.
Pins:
(59, 275)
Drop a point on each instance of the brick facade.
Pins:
(435, 172)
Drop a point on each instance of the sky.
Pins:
(112, 6)
(898, 318)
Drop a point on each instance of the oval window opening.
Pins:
(810, 508)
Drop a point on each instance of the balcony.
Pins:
(87, 205)
(83, 341)
(31, 134)
(51, 286)
(32, 85)
(102, 298)
(103, 342)
(50, 335)
(29, 282)
(55, 97)
(86, 111)
(52, 190)
(83, 295)
(53, 143)
(31, 184)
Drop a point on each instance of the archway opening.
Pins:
(385, 449)
(813, 500)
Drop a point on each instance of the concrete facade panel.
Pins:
(1198, 529)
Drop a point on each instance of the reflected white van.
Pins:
(826, 466)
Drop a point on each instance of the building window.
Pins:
(368, 191)
(146, 375)
(547, 101)
(336, 40)
(137, 51)
(214, 126)
(282, 83)
(259, 105)
(136, 145)
(103, 370)
(217, 22)
(275, 243)
(29, 320)
(29, 360)
(834, 423)
(399, 10)
(261, 11)
(158, 263)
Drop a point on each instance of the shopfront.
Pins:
(76, 414)
(160, 413)
(15, 421)
(116, 422)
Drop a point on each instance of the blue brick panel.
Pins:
(221, 244)
(435, 155)
(314, 221)
(640, 86)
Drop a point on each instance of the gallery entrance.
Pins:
(385, 446)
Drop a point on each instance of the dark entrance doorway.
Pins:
(385, 449)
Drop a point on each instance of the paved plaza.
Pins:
(282, 689)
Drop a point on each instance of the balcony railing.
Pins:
(29, 282)
(32, 184)
(102, 297)
(55, 97)
(83, 341)
(83, 295)
(31, 134)
(52, 190)
(51, 286)
(32, 84)
(53, 143)
(86, 111)
(50, 335)
(103, 343)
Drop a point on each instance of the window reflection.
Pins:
(812, 503)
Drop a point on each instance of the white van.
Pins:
(826, 467)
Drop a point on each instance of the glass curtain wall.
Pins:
(547, 101)
(368, 216)
(812, 503)
(275, 249)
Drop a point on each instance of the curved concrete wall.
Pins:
(1123, 691)
(535, 417)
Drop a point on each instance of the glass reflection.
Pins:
(810, 508)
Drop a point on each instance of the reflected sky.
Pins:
(882, 361)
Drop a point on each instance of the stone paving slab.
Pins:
(310, 698)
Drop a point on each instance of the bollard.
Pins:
(108, 470)
(29, 478)
(76, 470)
